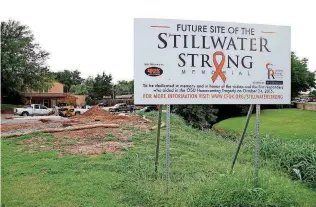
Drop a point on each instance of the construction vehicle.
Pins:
(66, 111)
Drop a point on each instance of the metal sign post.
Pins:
(167, 147)
(158, 141)
(257, 145)
(242, 137)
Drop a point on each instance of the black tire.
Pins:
(25, 113)
(77, 113)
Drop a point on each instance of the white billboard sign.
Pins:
(199, 62)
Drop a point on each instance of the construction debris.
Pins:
(96, 131)
(96, 111)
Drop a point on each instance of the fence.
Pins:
(112, 102)
(307, 106)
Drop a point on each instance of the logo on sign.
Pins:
(153, 71)
(270, 70)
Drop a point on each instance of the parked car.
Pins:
(33, 110)
(61, 104)
(103, 105)
(119, 107)
(149, 108)
(82, 110)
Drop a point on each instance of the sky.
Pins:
(96, 36)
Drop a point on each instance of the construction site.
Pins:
(97, 131)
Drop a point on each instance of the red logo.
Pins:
(153, 71)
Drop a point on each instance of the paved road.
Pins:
(31, 119)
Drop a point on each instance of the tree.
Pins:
(80, 89)
(89, 82)
(69, 78)
(23, 61)
(302, 79)
(313, 94)
(102, 86)
(124, 87)
(131, 86)
(199, 116)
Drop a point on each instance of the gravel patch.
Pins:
(19, 121)
(34, 129)
(35, 119)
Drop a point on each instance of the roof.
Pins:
(52, 95)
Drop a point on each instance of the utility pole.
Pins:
(113, 93)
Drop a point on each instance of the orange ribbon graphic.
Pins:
(219, 67)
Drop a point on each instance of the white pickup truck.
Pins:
(82, 110)
(33, 110)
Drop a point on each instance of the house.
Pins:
(54, 95)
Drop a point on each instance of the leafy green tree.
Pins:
(313, 94)
(301, 78)
(102, 86)
(89, 82)
(199, 116)
(23, 61)
(124, 87)
(131, 86)
(69, 78)
(80, 89)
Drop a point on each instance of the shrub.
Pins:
(296, 157)
(199, 116)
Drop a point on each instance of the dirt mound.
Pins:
(96, 111)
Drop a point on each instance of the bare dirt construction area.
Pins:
(91, 141)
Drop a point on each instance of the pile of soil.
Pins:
(96, 111)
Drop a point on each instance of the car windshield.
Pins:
(27, 106)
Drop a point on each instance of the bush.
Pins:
(295, 157)
(198, 116)
(8, 107)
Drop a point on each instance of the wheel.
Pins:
(77, 113)
(25, 113)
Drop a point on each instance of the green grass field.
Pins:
(281, 123)
(200, 161)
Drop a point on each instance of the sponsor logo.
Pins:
(153, 71)
(270, 70)
(275, 74)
